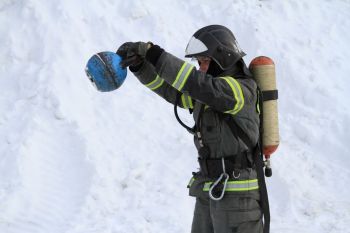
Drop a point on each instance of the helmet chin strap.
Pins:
(237, 70)
(214, 69)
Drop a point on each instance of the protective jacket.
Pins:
(232, 94)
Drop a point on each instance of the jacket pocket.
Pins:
(237, 210)
(210, 127)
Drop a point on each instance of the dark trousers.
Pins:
(232, 214)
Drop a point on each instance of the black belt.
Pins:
(212, 168)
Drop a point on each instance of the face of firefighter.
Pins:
(204, 63)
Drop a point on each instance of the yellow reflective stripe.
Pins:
(190, 102)
(160, 84)
(156, 83)
(178, 74)
(186, 101)
(237, 93)
(186, 77)
(237, 186)
(191, 182)
(258, 104)
(241, 189)
(242, 181)
(182, 76)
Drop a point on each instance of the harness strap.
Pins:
(263, 190)
(197, 112)
(231, 186)
(235, 185)
(212, 168)
(258, 159)
(269, 95)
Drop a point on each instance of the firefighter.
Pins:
(222, 96)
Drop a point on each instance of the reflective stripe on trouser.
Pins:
(232, 186)
(236, 186)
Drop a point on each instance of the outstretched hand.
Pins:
(133, 53)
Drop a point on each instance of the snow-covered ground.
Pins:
(74, 160)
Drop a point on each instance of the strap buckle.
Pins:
(234, 174)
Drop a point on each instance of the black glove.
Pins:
(133, 53)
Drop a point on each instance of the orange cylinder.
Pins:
(263, 69)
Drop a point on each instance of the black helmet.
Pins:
(216, 42)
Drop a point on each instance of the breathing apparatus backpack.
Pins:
(263, 70)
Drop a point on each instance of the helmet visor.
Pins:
(194, 47)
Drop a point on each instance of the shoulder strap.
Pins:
(239, 132)
(197, 113)
(259, 163)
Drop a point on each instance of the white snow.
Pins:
(74, 160)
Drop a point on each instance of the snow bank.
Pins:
(75, 160)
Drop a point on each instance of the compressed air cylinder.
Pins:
(263, 69)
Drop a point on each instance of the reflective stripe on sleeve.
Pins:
(182, 76)
(236, 186)
(186, 101)
(191, 182)
(237, 93)
(156, 83)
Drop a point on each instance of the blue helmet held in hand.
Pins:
(104, 71)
